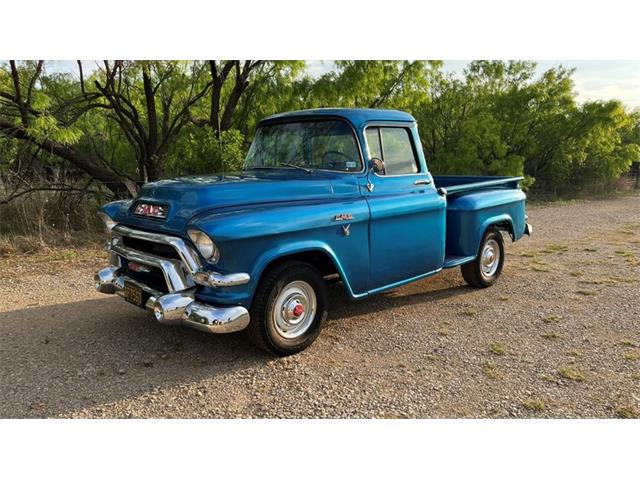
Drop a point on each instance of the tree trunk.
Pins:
(121, 188)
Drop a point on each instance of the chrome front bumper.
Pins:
(178, 306)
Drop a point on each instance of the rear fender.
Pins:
(503, 222)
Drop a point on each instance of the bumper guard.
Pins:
(181, 276)
(178, 307)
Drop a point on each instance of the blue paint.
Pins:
(399, 232)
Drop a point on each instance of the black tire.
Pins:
(473, 272)
(263, 329)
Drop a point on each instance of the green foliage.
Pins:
(374, 84)
(198, 151)
(500, 120)
(135, 121)
(48, 127)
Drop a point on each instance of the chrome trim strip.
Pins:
(215, 279)
(215, 320)
(186, 253)
(171, 269)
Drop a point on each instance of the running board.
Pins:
(454, 260)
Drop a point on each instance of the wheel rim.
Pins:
(490, 258)
(294, 309)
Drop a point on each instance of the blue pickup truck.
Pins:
(325, 195)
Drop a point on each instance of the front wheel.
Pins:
(289, 309)
(486, 268)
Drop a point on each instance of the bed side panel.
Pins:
(469, 215)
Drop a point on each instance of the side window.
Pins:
(373, 142)
(398, 154)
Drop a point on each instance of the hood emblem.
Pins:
(342, 217)
(151, 210)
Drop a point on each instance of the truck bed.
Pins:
(473, 204)
(464, 183)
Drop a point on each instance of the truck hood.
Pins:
(191, 196)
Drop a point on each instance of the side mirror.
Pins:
(377, 165)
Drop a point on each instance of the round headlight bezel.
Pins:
(205, 245)
(109, 223)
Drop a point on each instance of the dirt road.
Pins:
(558, 336)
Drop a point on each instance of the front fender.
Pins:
(250, 239)
(302, 247)
(116, 209)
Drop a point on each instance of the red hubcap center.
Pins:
(298, 310)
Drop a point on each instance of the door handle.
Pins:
(426, 181)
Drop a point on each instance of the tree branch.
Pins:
(92, 168)
(18, 93)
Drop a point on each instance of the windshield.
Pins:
(325, 145)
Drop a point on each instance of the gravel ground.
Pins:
(558, 336)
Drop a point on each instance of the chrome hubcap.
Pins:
(294, 309)
(490, 258)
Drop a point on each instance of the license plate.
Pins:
(133, 294)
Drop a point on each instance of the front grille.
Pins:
(156, 253)
(159, 249)
(154, 278)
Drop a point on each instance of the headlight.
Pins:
(108, 222)
(205, 245)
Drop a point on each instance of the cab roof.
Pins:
(356, 116)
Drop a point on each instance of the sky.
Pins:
(594, 79)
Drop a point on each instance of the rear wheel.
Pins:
(289, 309)
(486, 268)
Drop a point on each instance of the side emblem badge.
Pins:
(343, 217)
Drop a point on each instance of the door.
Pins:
(407, 227)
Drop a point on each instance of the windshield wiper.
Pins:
(290, 165)
(304, 169)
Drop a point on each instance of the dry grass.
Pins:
(534, 405)
(551, 319)
(555, 248)
(497, 349)
(547, 378)
(551, 335)
(586, 293)
(20, 244)
(539, 268)
(571, 374)
(490, 369)
(48, 219)
(626, 412)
